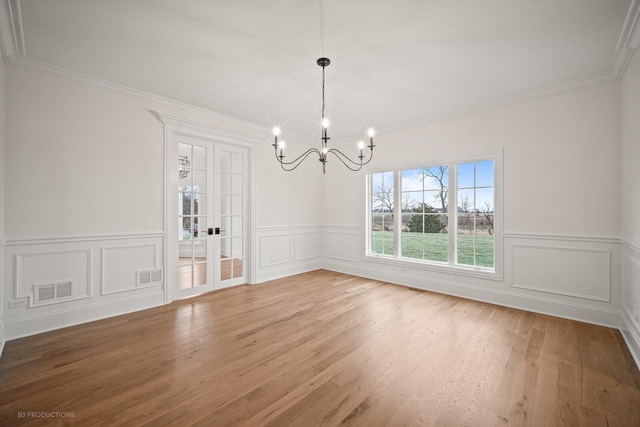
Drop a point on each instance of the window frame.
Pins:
(450, 266)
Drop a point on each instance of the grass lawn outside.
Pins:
(434, 247)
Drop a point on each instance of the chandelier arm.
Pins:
(340, 155)
(298, 160)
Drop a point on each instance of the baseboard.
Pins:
(557, 308)
(267, 274)
(37, 324)
(631, 336)
(2, 337)
(630, 297)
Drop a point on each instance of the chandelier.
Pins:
(183, 166)
(324, 151)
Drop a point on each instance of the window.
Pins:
(423, 227)
(382, 197)
(442, 214)
(475, 213)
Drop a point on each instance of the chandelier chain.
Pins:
(323, 116)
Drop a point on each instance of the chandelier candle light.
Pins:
(324, 150)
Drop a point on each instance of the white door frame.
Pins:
(173, 128)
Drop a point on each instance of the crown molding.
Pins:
(8, 25)
(628, 41)
(14, 54)
(552, 90)
(20, 62)
(630, 33)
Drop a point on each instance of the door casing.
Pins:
(174, 128)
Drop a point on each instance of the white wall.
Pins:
(561, 199)
(630, 212)
(288, 198)
(630, 101)
(85, 178)
(561, 155)
(80, 161)
(85, 196)
(2, 198)
(93, 164)
(290, 216)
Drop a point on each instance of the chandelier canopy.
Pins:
(324, 151)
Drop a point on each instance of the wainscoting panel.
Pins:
(39, 268)
(59, 282)
(343, 243)
(274, 249)
(576, 272)
(631, 298)
(120, 265)
(307, 245)
(3, 301)
(283, 251)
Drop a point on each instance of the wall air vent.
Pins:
(47, 293)
(149, 277)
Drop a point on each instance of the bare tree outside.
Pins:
(464, 205)
(439, 175)
(487, 212)
(383, 201)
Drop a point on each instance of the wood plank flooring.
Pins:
(322, 348)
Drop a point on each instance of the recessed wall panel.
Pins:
(583, 273)
(275, 249)
(307, 246)
(52, 267)
(120, 265)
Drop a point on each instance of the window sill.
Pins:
(438, 267)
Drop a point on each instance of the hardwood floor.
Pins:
(322, 348)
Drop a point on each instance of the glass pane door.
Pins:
(194, 192)
(232, 167)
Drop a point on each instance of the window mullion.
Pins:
(397, 214)
(453, 214)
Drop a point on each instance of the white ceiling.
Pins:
(394, 63)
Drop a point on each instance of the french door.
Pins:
(211, 229)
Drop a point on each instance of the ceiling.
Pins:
(393, 63)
